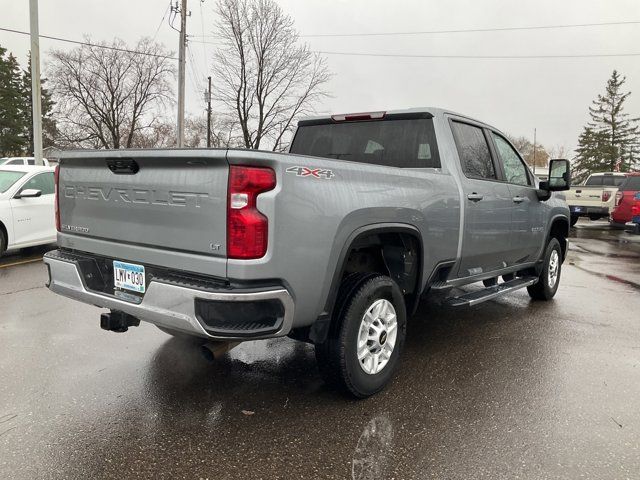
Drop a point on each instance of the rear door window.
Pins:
(404, 143)
(473, 150)
(631, 184)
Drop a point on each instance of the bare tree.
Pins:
(525, 147)
(106, 98)
(162, 134)
(264, 77)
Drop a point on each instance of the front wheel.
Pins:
(549, 278)
(364, 345)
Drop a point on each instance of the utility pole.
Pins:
(36, 107)
(534, 151)
(181, 69)
(207, 97)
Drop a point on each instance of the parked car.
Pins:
(26, 206)
(633, 225)
(22, 161)
(625, 199)
(333, 244)
(596, 198)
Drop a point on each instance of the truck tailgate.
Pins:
(585, 196)
(170, 201)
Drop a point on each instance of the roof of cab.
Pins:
(434, 111)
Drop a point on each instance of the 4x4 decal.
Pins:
(311, 172)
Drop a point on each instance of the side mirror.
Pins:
(559, 175)
(28, 193)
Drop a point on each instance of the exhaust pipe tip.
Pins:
(213, 351)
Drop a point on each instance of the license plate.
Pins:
(128, 276)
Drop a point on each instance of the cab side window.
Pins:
(43, 182)
(473, 151)
(515, 170)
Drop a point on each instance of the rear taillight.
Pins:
(606, 195)
(56, 176)
(619, 196)
(247, 228)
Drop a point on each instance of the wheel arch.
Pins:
(368, 237)
(559, 228)
(4, 231)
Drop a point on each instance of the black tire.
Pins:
(544, 290)
(183, 336)
(594, 218)
(490, 282)
(508, 277)
(574, 219)
(3, 242)
(337, 356)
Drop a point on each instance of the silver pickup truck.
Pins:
(333, 243)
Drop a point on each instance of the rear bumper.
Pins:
(179, 306)
(585, 211)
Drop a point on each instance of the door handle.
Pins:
(475, 197)
(518, 199)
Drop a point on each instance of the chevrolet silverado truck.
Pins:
(596, 198)
(333, 243)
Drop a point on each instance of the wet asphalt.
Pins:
(508, 389)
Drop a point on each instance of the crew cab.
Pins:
(26, 207)
(596, 198)
(333, 243)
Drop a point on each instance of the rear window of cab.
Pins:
(404, 143)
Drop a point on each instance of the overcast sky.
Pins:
(514, 95)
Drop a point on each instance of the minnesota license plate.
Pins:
(128, 276)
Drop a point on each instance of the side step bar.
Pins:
(479, 296)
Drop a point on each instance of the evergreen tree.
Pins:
(48, 123)
(610, 140)
(12, 118)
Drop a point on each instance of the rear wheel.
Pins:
(3, 242)
(549, 278)
(593, 218)
(364, 344)
(574, 219)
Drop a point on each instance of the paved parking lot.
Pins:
(508, 389)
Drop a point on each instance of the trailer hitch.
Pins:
(117, 321)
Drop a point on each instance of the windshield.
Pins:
(408, 143)
(7, 179)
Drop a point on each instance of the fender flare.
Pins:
(553, 220)
(320, 327)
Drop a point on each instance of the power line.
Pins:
(462, 30)
(495, 57)
(162, 21)
(89, 44)
(470, 57)
(474, 30)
